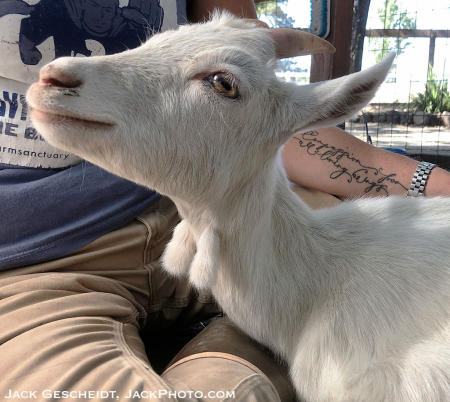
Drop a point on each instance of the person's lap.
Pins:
(73, 324)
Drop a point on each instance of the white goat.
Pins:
(355, 298)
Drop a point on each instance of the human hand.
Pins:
(133, 16)
(144, 14)
(29, 53)
(31, 57)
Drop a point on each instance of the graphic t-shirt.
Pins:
(51, 202)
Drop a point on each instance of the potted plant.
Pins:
(434, 100)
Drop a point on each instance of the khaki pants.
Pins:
(70, 328)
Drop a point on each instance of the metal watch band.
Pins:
(419, 180)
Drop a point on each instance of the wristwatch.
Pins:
(419, 180)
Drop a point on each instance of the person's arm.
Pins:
(335, 162)
(200, 10)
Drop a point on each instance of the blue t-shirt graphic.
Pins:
(46, 213)
(71, 23)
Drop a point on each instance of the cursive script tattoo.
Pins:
(348, 167)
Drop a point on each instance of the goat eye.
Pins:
(224, 84)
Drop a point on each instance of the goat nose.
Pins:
(57, 77)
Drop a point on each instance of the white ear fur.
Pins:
(180, 251)
(206, 260)
(331, 102)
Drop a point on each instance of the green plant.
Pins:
(273, 11)
(274, 14)
(392, 18)
(435, 98)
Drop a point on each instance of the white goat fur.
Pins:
(355, 298)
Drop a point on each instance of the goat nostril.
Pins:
(57, 83)
(61, 83)
(57, 78)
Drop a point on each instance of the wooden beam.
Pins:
(327, 66)
(408, 33)
(324, 67)
(431, 51)
(360, 14)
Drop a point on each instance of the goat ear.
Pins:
(293, 42)
(331, 102)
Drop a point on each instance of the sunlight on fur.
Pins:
(355, 297)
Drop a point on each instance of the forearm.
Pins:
(336, 162)
(199, 10)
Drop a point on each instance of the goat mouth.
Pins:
(46, 117)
